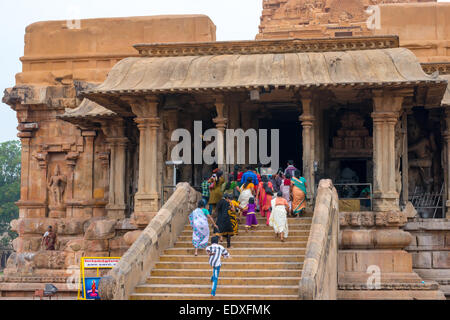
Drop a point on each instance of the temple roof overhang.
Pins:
(353, 63)
(88, 112)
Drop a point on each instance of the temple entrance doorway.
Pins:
(350, 160)
(286, 120)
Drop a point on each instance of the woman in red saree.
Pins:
(298, 194)
(264, 197)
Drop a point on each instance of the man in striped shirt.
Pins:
(216, 252)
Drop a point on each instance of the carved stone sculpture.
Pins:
(57, 186)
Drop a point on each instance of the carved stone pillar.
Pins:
(447, 164)
(88, 164)
(42, 159)
(117, 144)
(172, 124)
(387, 106)
(221, 124)
(147, 198)
(307, 119)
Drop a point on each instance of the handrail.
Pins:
(160, 234)
(320, 274)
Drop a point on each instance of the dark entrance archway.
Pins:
(286, 120)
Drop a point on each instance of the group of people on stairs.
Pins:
(245, 194)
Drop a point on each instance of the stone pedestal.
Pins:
(57, 212)
(372, 261)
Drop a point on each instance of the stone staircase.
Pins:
(262, 267)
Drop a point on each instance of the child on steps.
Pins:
(216, 252)
(250, 212)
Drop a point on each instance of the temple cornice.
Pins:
(267, 46)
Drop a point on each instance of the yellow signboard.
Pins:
(88, 287)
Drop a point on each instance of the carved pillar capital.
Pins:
(27, 130)
(71, 159)
(42, 158)
(144, 107)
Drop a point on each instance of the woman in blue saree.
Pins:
(200, 226)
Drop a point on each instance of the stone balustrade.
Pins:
(320, 274)
(160, 234)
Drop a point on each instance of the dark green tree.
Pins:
(10, 160)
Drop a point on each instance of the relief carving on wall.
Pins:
(422, 152)
(289, 15)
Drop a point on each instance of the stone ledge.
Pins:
(391, 286)
(428, 225)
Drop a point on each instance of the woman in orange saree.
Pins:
(264, 199)
(298, 194)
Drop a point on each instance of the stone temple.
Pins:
(359, 91)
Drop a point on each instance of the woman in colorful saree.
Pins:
(216, 194)
(233, 213)
(199, 222)
(298, 194)
(247, 190)
(278, 218)
(263, 197)
(225, 223)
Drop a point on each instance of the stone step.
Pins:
(230, 265)
(262, 281)
(221, 289)
(176, 296)
(250, 237)
(235, 258)
(260, 233)
(226, 273)
(254, 244)
(241, 251)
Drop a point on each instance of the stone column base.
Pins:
(386, 202)
(57, 212)
(116, 212)
(146, 208)
(142, 219)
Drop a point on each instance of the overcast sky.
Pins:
(235, 20)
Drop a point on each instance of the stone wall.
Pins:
(424, 28)
(58, 53)
(319, 276)
(65, 178)
(430, 250)
(160, 234)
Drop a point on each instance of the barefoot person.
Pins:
(278, 218)
(49, 239)
(298, 194)
(216, 252)
(225, 225)
(250, 212)
(199, 222)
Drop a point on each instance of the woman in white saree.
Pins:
(278, 218)
(247, 192)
